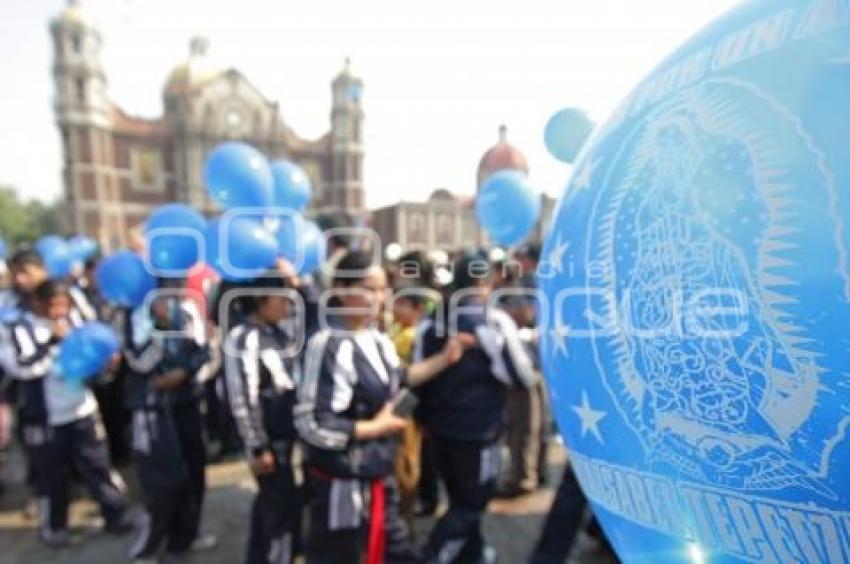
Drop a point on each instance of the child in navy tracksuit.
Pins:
(261, 377)
(59, 420)
(165, 348)
(462, 408)
(345, 415)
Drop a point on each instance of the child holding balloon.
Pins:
(59, 419)
(165, 348)
(261, 379)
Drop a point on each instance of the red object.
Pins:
(199, 282)
(377, 539)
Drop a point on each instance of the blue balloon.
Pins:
(86, 351)
(315, 248)
(174, 234)
(57, 256)
(3, 249)
(238, 176)
(291, 186)
(123, 279)
(566, 133)
(82, 248)
(507, 207)
(240, 247)
(696, 320)
(302, 243)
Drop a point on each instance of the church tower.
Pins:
(345, 190)
(84, 118)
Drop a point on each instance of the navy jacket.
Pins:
(466, 401)
(261, 380)
(347, 378)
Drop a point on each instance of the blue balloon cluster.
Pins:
(86, 351)
(174, 239)
(57, 256)
(82, 248)
(696, 298)
(238, 176)
(507, 207)
(240, 247)
(291, 186)
(123, 279)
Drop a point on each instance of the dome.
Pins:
(74, 14)
(195, 71)
(442, 194)
(501, 156)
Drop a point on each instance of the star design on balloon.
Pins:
(556, 256)
(584, 175)
(559, 334)
(589, 418)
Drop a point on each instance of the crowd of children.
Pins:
(350, 409)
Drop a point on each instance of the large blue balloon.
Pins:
(291, 186)
(174, 234)
(566, 133)
(237, 175)
(315, 248)
(240, 247)
(86, 351)
(123, 279)
(56, 254)
(3, 250)
(696, 326)
(507, 207)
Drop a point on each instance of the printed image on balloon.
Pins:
(238, 176)
(566, 133)
(123, 279)
(695, 347)
(507, 207)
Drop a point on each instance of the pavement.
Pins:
(510, 526)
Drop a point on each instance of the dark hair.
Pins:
(464, 277)
(50, 289)
(271, 281)
(352, 268)
(530, 251)
(424, 267)
(24, 257)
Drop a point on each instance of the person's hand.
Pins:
(263, 464)
(114, 363)
(171, 379)
(455, 347)
(60, 328)
(383, 424)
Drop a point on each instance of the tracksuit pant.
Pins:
(52, 450)
(170, 457)
(469, 470)
(276, 512)
(339, 522)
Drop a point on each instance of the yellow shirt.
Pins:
(403, 339)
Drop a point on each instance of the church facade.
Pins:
(117, 168)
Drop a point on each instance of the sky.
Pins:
(440, 76)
